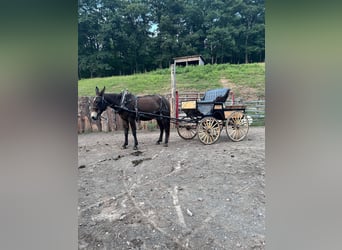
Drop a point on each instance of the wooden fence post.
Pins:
(173, 90)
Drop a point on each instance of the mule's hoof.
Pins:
(166, 145)
(158, 142)
(124, 146)
(135, 148)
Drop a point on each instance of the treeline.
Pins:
(120, 37)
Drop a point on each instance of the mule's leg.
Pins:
(134, 133)
(126, 127)
(167, 131)
(161, 127)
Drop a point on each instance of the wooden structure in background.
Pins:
(188, 60)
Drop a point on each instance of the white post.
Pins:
(173, 90)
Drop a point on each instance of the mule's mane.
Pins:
(112, 97)
(119, 100)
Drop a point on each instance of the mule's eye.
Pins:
(96, 101)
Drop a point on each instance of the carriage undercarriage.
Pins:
(205, 118)
(209, 128)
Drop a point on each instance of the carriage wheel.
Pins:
(237, 126)
(208, 130)
(187, 128)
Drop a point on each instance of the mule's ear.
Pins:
(97, 90)
(103, 90)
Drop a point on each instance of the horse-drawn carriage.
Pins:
(207, 118)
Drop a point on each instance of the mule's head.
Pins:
(99, 104)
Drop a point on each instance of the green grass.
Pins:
(191, 78)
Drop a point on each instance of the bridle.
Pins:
(103, 100)
(103, 103)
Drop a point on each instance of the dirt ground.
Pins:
(185, 196)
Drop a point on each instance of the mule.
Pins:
(133, 108)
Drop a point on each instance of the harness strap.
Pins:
(136, 108)
(136, 105)
(122, 103)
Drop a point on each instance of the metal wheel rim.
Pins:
(208, 130)
(186, 129)
(237, 126)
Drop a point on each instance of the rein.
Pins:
(122, 107)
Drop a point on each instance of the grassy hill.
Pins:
(246, 80)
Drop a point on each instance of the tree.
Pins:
(125, 37)
(251, 15)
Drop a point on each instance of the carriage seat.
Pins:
(205, 105)
(215, 95)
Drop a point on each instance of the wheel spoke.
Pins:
(210, 139)
(237, 134)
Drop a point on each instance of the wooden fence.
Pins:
(111, 121)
